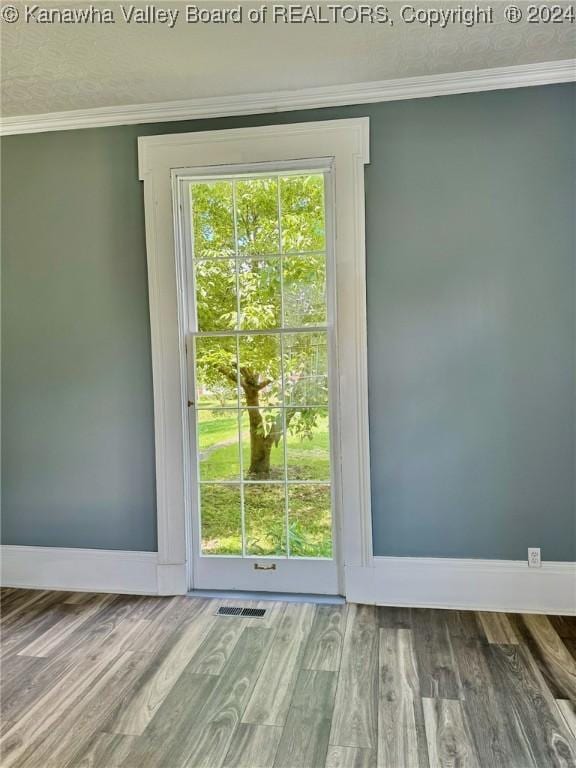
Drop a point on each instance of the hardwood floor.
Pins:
(115, 681)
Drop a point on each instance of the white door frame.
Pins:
(252, 573)
(346, 142)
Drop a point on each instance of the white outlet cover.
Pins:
(534, 560)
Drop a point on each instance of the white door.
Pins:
(260, 347)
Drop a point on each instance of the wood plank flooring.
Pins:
(115, 681)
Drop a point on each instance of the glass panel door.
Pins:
(260, 370)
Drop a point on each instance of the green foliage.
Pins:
(260, 360)
(215, 364)
(216, 287)
(304, 290)
(305, 369)
(213, 222)
(260, 301)
(257, 216)
(260, 277)
(304, 421)
(302, 201)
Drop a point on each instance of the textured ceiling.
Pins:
(58, 67)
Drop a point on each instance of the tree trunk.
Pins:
(260, 442)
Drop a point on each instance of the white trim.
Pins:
(423, 582)
(520, 76)
(465, 584)
(346, 141)
(171, 577)
(86, 570)
(282, 575)
(276, 597)
(175, 143)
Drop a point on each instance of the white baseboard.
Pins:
(85, 570)
(419, 582)
(480, 585)
(172, 579)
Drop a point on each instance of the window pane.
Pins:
(310, 521)
(262, 396)
(215, 359)
(302, 204)
(216, 306)
(257, 216)
(221, 519)
(260, 370)
(218, 445)
(304, 290)
(265, 519)
(308, 447)
(263, 444)
(305, 369)
(213, 218)
(260, 303)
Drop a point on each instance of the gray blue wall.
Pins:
(471, 317)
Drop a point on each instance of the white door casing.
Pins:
(345, 143)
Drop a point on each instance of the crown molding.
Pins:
(520, 76)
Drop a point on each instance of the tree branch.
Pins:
(250, 378)
(228, 373)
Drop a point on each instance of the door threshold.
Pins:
(285, 597)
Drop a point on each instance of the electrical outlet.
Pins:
(534, 560)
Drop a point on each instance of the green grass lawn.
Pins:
(214, 430)
(309, 506)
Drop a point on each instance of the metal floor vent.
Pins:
(232, 610)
